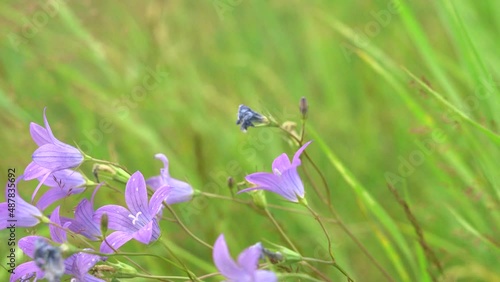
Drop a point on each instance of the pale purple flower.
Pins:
(284, 180)
(246, 268)
(84, 222)
(52, 154)
(79, 264)
(17, 211)
(179, 191)
(138, 221)
(63, 183)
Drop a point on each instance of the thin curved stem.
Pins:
(186, 229)
(334, 263)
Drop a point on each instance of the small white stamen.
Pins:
(277, 172)
(134, 218)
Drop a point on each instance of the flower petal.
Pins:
(155, 182)
(290, 181)
(144, 234)
(80, 263)
(270, 182)
(84, 223)
(281, 163)
(223, 261)
(51, 196)
(56, 233)
(116, 240)
(265, 276)
(33, 170)
(296, 158)
(29, 269)
(27, 244)
(136, 195)
(156, 202)
(26, 214)
(249, 258)
(39, 134)
(57, 157)
(118, 218)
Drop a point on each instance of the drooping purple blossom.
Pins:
(178, 192)
(52, 154)
(246, 268)
(138, 221)
(284, 180)
(62, 183)
(17, 211)
(79, 264)
(84, 222)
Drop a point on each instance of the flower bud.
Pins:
(282, 255)
(303, 106)
(230, 183)
(104, 223)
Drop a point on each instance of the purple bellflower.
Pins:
(62, 183)
(84, 223)
(246, 269)
(284, 180)
(17, 211)
(79, 264)
(178, 192)
(138, 221)
(52, 153)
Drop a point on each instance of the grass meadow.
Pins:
(404, 113)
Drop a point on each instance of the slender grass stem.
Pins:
(178, 220)
(334, 263)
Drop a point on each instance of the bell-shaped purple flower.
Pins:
(79, 264)
(246, 268)
(178, 192)
(52, 154)
(284, 180)
(63, 183)
(137, 221)
(84, 222)
(17, 211)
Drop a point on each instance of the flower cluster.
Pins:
(56, 165)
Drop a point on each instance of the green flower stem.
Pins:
(126, 255)
(250, 203)
(280, 230)
(333, 262)
(178, 220)
(283, 234)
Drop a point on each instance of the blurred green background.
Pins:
(128, 79)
